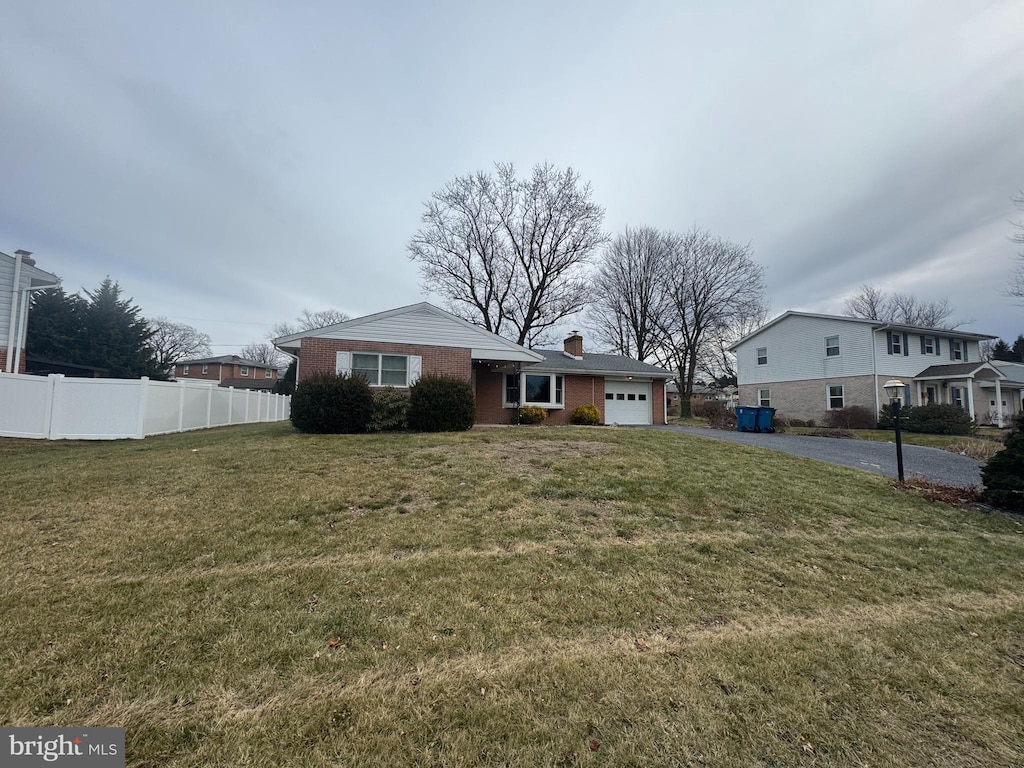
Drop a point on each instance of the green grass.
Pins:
(532, 596)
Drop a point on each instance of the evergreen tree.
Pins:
(1001, 351)
(1003, 476)
(117, 335)
(1017, 350)
(286, 384)
(56, 326)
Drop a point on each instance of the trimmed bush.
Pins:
(390, 410)
(1003, 476)
(532, 414)
(586, 414)
(851, 417)
(328, 404)
(441, 404)
(886, 419)
(938, 419)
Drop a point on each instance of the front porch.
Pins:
(979, 388)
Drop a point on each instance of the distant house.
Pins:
(19, 277)
(805, 365)
(228, 371)
(396, 347)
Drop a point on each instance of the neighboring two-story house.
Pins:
(805, 364)
(19, 278)
(228, 371)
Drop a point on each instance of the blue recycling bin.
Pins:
(746, 419)
(763, 421)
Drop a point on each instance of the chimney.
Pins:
(574, 345)
(26, 257)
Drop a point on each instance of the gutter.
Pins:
(15, 287)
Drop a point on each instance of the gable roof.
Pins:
(956, 369)
(557, 361)
(422, 324)
(226, 359)
(37, 277)
(877, 325)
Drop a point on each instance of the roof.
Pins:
(954, 369)
(418, 324)
(232, 359)
(592, 362)
(37, 276)
(877, 325)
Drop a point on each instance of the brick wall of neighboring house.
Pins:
(807, 399)
(658, 401)
(196, 372)
(3, 360)
(320, 356)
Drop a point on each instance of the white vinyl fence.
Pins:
(58, 408)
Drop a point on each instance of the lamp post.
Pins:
(894, 389)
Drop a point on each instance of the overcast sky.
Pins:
(231, 163)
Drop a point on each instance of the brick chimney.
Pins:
(574, 344)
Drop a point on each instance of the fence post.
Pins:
(181, 405)
(53, 380)
(209, 405)
(231, 405)
(140, 430)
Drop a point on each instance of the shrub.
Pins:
(719, 415)
(331, 404)
(939, 419)
(795, 422)
(886, 419)
(586, 414)
(851, 417)
(441, 404)
(706, 409)
(390, 410)
(532, 414)
(1003, 475)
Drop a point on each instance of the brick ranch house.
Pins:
(396, 347)
(228, 371)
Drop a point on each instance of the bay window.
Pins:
(541, 389)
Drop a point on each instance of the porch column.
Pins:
(970, 396)
(999, 405)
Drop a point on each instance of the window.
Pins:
(896, 344)
(835, 397)
(642, 396)
(764, 398)
(184, 370)
(927, 345)
(206, 369)
(541, 389)
(762, 355)
(609, 396)
(244, 371)
(269, 373)
(620, 396)
(956, 349)
(832, 346)
(381, 370)
(958, 396)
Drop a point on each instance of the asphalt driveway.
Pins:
(880, 458)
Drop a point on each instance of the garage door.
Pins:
(627, 402)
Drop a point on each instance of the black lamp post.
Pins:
(894, 388)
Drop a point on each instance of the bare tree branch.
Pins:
(264, 353)
(873, 303)
(1015, 289)
(508, 254)
(309, 320)
(171, 342)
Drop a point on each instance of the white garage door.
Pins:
(627, 402)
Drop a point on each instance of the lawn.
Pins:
(531, 596)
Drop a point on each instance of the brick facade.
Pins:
(3, 360)
(808, 399)
(222, 372)
(320, 356)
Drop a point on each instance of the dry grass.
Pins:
(557, 596)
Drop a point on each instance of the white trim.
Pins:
(829, 396)
(838, 347)
(380, 367)
(523, 402)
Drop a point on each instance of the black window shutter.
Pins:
(951, 350)
(938, 346)
(922, 345)
(906, 346)
(888, 339)
(963, 346)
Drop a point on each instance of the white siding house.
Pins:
(19, 277)
(805, 365)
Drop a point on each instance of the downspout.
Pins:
(23, 328)
(15, 287)
(874, 371)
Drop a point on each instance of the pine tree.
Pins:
(1017, 350)
(117, 335)
(1001, 351)
(56, 326)
(1003, 476)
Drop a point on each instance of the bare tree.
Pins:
(509, 254)
(873, 303)
(713, 285)
(264, 353)
(716, 361)
(1016, 287)
(171, 342)
(629, 291)
(309, 320)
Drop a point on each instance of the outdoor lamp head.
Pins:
(894, 389)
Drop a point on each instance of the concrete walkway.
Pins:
(931, 463)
